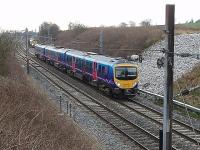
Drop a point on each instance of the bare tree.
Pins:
(47, 29)
(77, 26)
(146, 23)
(123, 24)
(132, 23)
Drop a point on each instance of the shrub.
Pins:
(8, 44)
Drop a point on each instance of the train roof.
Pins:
(40, 45)
(94, 56)
(56, 49)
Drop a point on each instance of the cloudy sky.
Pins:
(18, 14)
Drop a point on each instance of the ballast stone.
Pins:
(152, 78)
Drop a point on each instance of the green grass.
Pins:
(189, 80)
(193, 25)
(193, 98)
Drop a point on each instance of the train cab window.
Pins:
(126, 73)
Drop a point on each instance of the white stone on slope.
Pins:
(152, 78)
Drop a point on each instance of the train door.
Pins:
(94, 71)
(43, 52)
(83, 66)
(73, 64)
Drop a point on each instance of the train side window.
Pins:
(66, 59)
(79, 63)
(104, 71)
(86, 66)
(90, 67)
(99, 70)
(59, 56)
(69, 60)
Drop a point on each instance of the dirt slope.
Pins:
(118, 41)
(28, 120)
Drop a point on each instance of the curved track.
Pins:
(143, 137)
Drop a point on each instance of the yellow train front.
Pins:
(125, 78)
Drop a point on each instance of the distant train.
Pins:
(115, 76)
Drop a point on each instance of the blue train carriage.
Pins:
(55, 56)
(75, 63)
(114, 76)
(40, 51)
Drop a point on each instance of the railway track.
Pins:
(144, 138)
(179, 129)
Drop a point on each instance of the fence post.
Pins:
(160, 139)
(70, 110)
(27, 51)
(60, 104)
(67, 107)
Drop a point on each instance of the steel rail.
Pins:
(160, 123)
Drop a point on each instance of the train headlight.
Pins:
(118, 84)
(134, 84)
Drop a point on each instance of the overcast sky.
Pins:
(18, 14)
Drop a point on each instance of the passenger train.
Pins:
(115, 76)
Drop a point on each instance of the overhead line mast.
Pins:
(169, 65)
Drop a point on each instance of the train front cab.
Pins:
(126, 79)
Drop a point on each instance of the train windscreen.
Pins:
(126, 73)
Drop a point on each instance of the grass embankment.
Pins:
(27, 119)
(188, 81)
(114, 38)
(187, 28)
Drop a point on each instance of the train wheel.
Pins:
(110, 92)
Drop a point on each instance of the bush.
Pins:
(8, 44)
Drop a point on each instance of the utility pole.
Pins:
(27, 51)
(49, 36)
(169, 65)
(101, 43)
